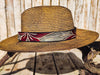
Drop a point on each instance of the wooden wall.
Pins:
(86, 13)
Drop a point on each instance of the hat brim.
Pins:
(83, 38)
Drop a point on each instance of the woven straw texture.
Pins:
(47, 19)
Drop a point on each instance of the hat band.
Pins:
(46, 36)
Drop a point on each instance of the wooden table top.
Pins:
(44, 63)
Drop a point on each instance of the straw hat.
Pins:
(48, 28)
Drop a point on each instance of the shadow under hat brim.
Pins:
(83, 38)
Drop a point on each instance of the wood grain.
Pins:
(93, 15)
(78, 18)
(10, 18)
(71, 6)
(28, 4)
(55, 2)
(17, 16)
(86, 13)
(63, 3)
(22, 5)
(46, 2)
(3, 27)
(36, 3)
(21, 65)
(98, 19)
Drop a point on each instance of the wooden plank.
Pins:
(17, 16)
(46, 2)
(63, 3)
(3, 28)
(24, 64)
(55, 2)
(86, 13)
(45, 64)
(71, 6)
(22, 5)
(64, 62)
(78, 18)
(28, 4)
(7, 68)
(98, 20)
(36, 3)
(10, 17)
(93, 15)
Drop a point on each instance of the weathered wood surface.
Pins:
(93, 15)
(21, 65)
(36, 3)
(46, 2)
(78, 16)
(22, 5)
(28, 4)
(71, 6)
(17, 17)
(10, 17)
(3, 28)
(46, 63)
(68, 62)
(86, 14)
(55, 2)
(8, 67)
(63, 3)
(98, 19)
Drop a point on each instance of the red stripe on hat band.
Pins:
(46, 36)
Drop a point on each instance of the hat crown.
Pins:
(46, 19)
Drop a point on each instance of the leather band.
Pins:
(46, 36)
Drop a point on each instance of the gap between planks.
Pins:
(32, 64)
